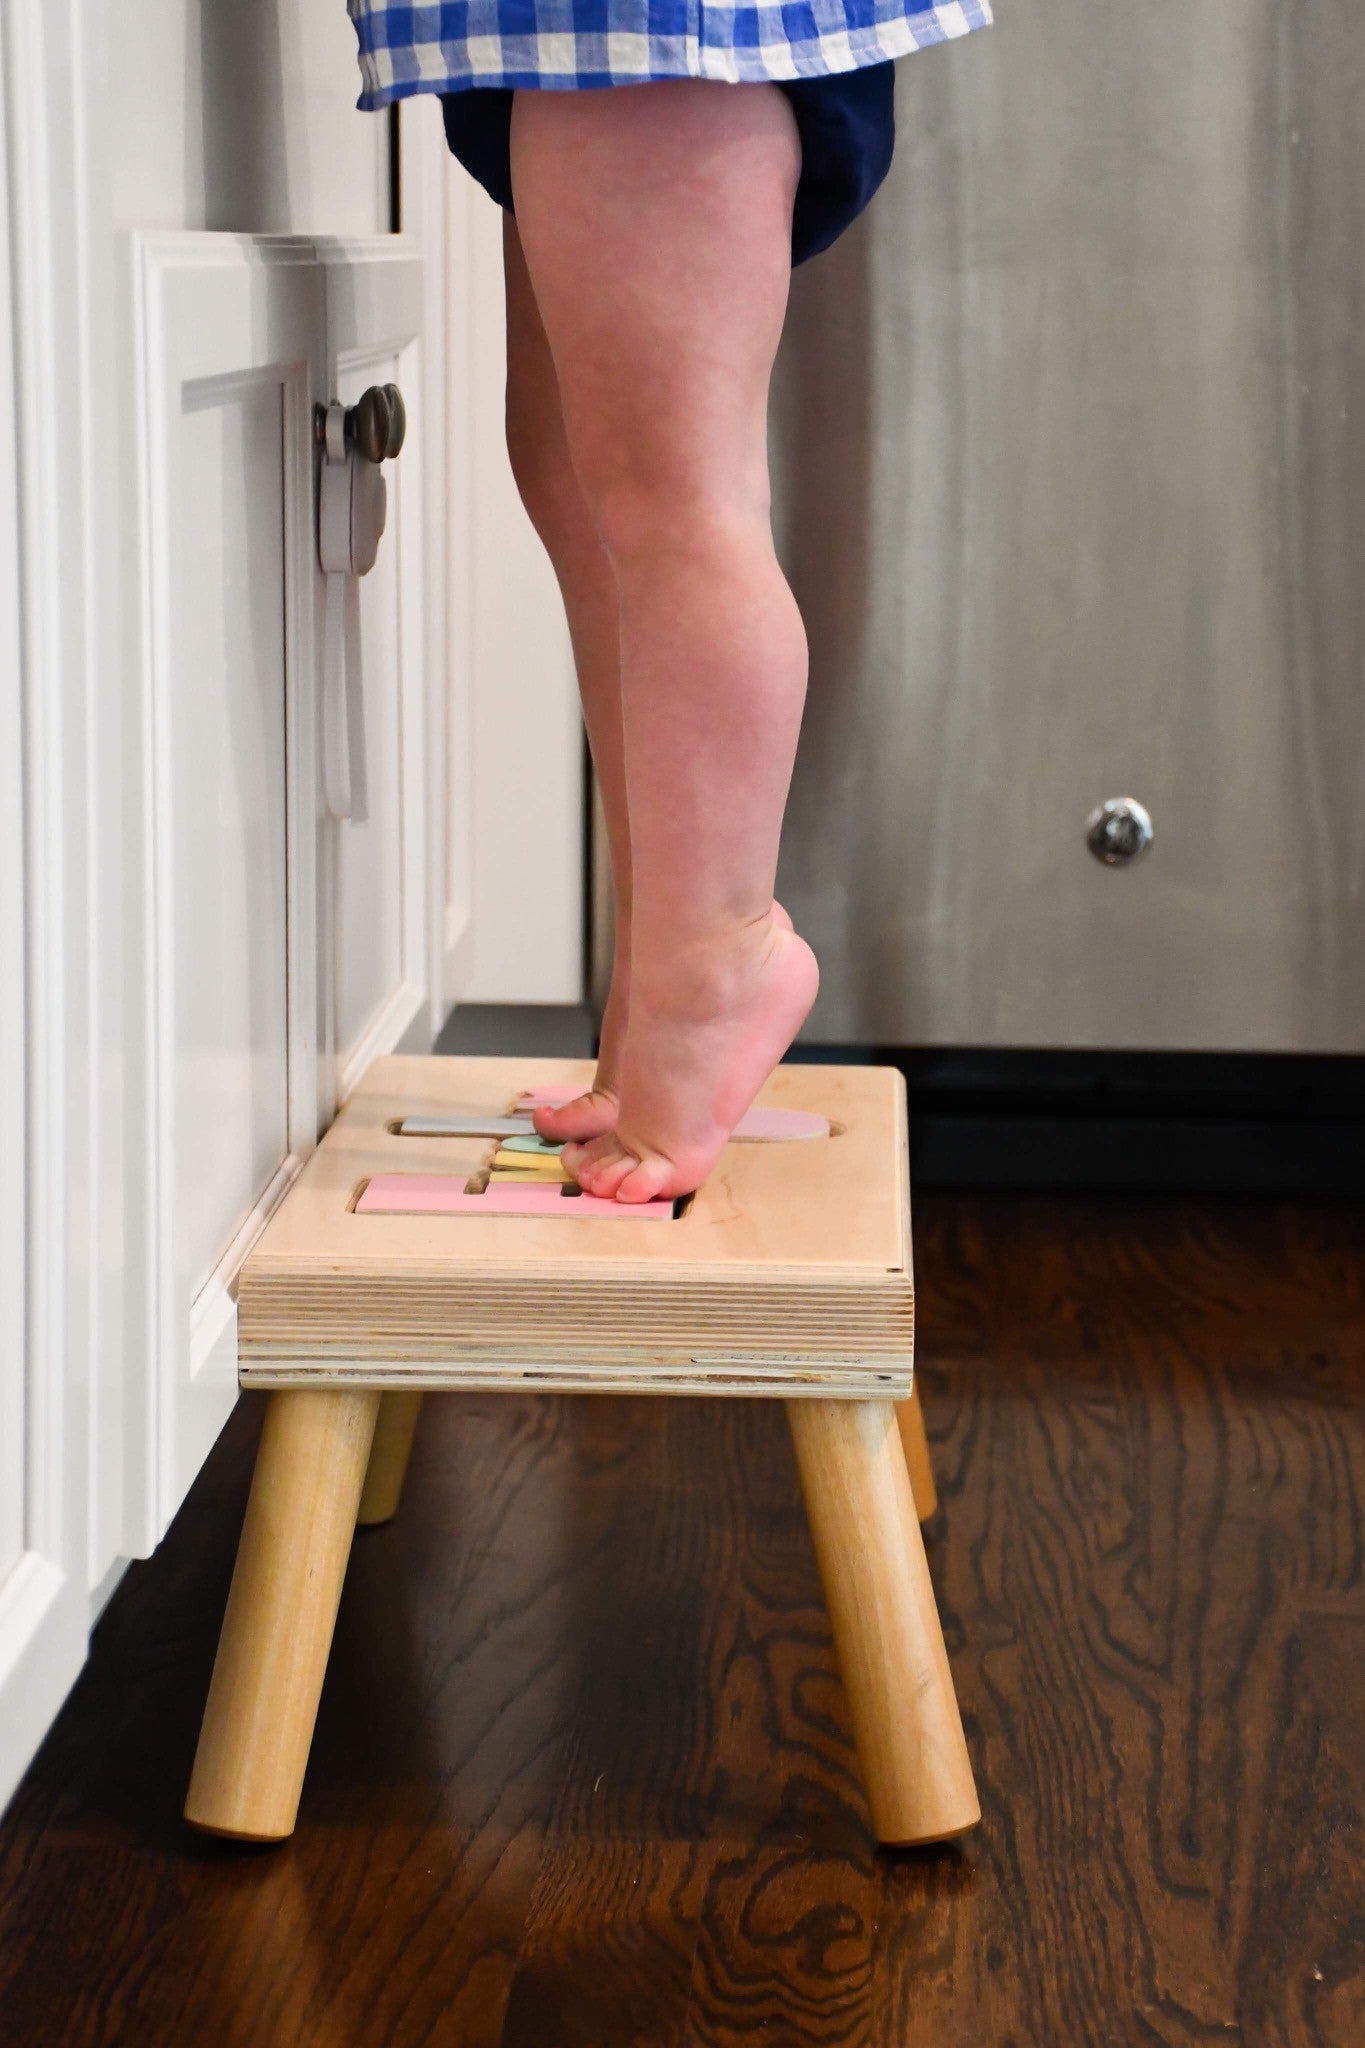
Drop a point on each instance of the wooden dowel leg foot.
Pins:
(915, 1444)
(389, 1454)
(886, 1627)
(267, 1680)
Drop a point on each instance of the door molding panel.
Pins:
(224, 325)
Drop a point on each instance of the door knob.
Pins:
(376, 425)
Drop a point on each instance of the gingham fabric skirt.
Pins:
(569, 44)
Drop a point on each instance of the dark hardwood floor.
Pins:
(583, 1778)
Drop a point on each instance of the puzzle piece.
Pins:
(767, 1126)
(757, 1126)
(531, 1165)
(470, 1125)
(531, 1176)
(446, 1194)
(544, 1098)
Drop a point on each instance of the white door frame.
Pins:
(51, 1078)
(375, 307)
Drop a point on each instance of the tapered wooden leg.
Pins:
(915, 1444)
(263, 1700)
(389, 1454)
(886, 1626)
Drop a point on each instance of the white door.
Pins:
(282, 948)
(230, 335)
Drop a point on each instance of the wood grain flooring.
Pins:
(583, 1775)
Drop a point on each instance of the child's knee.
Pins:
(649, 490)
(641, 517)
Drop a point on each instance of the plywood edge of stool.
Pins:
(736, 1378)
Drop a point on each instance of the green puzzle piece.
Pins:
(535, 1143)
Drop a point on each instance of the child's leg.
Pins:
(656, 224)
(549, 490)
(555, 504)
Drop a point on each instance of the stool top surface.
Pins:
(836, 1206)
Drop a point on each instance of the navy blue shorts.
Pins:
(846, 121)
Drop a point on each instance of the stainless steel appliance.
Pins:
(1069, 446)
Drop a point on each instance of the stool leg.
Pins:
(389, 1454)
(886, 1626)
(263, 1699)
(915, 1444)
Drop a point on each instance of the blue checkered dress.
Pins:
(574, 43)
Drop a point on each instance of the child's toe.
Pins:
(645, 1182)
(580, 1121)
(587, 1162)
(608, 1172)
(584, 1156)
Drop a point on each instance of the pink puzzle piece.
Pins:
(446, 1194)
(773, 1126)
(543, 1098)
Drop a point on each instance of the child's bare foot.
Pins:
(706, 1031)
(594, 1113)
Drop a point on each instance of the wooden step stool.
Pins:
(381, 1277)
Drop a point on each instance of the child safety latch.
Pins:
(352, 501)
